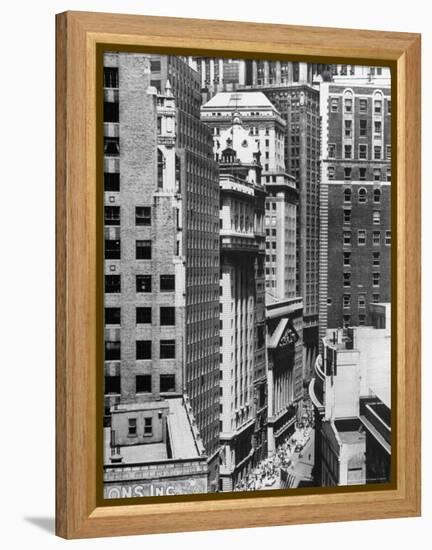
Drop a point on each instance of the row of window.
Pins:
(143, 283)
(142, 215)
(361, 300)
(376, 278)
(143, 315)
(376, 216)
(362, 195)
(376, 259)
(143, 249)
(362, 171)
(362, 150)
(143, 383)
(143, 350)
(362, 105)
(362, 234)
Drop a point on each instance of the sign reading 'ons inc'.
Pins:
(155, 489)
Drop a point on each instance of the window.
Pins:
(132, 427)
(388, 152)
(143, 283)
(143, 383)
(331, 172)
(348, 128)
(375, 279)
(334, 104)
(346, 321)
(377, 152)
(377, 195)
(348, 104)
(167, 349)
(167, 283)
(331, 150)
(347, 195)
(376, 258)
(347, 258)
(346, 300)
(362, 151)
(347, 215)
(347, 151)
(112, 384)
(347, 173)
(112, 283)
(111, 146)
(148, 426)
(362, 319)
(362, 174)
(142, 215)
(167, 382)
(347, 237)
(111, 111)
(143, 250)
(112, 215)
(376, 217)
(388, 238)
(110, 77)
(143, 315)
(155, 65)
(376, 238)
(112, 249)
(362, 195)
(143, 349)
(112, 315)
(112, 351)
(111, 181)
(375, 298)
(363, 105)
(361, 301)
(361, 237)
(377, 106)
(363, 127)
(377, 174)
(347, 279)
(377, 127)
(167, 316)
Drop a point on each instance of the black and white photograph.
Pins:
(247, 275)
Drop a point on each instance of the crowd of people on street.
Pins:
(267, 473)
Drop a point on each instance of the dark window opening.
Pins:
(167, 283)
(112, 249)
(112, 315)
(132, 427)
(111, 77)
(112, 351)
(167, 315)
(111, 111)
(112, 146)
(112, 384)
(112, 283)
(143, 383)
(143, 215)
(143, 349)
(112, 181)
(143, 250)
(167, 349)
(143, 315)
(148, 426)
(167, 382)
(112, 215)
(143, 283)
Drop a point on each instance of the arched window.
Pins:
(160, 168)
(362, 195)
(347, 195)
(377, 195)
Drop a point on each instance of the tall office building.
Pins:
(355, 202)
(243, 404)
(198, 173)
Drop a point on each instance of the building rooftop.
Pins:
(239, 100)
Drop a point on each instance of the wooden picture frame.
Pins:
(78, 35)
